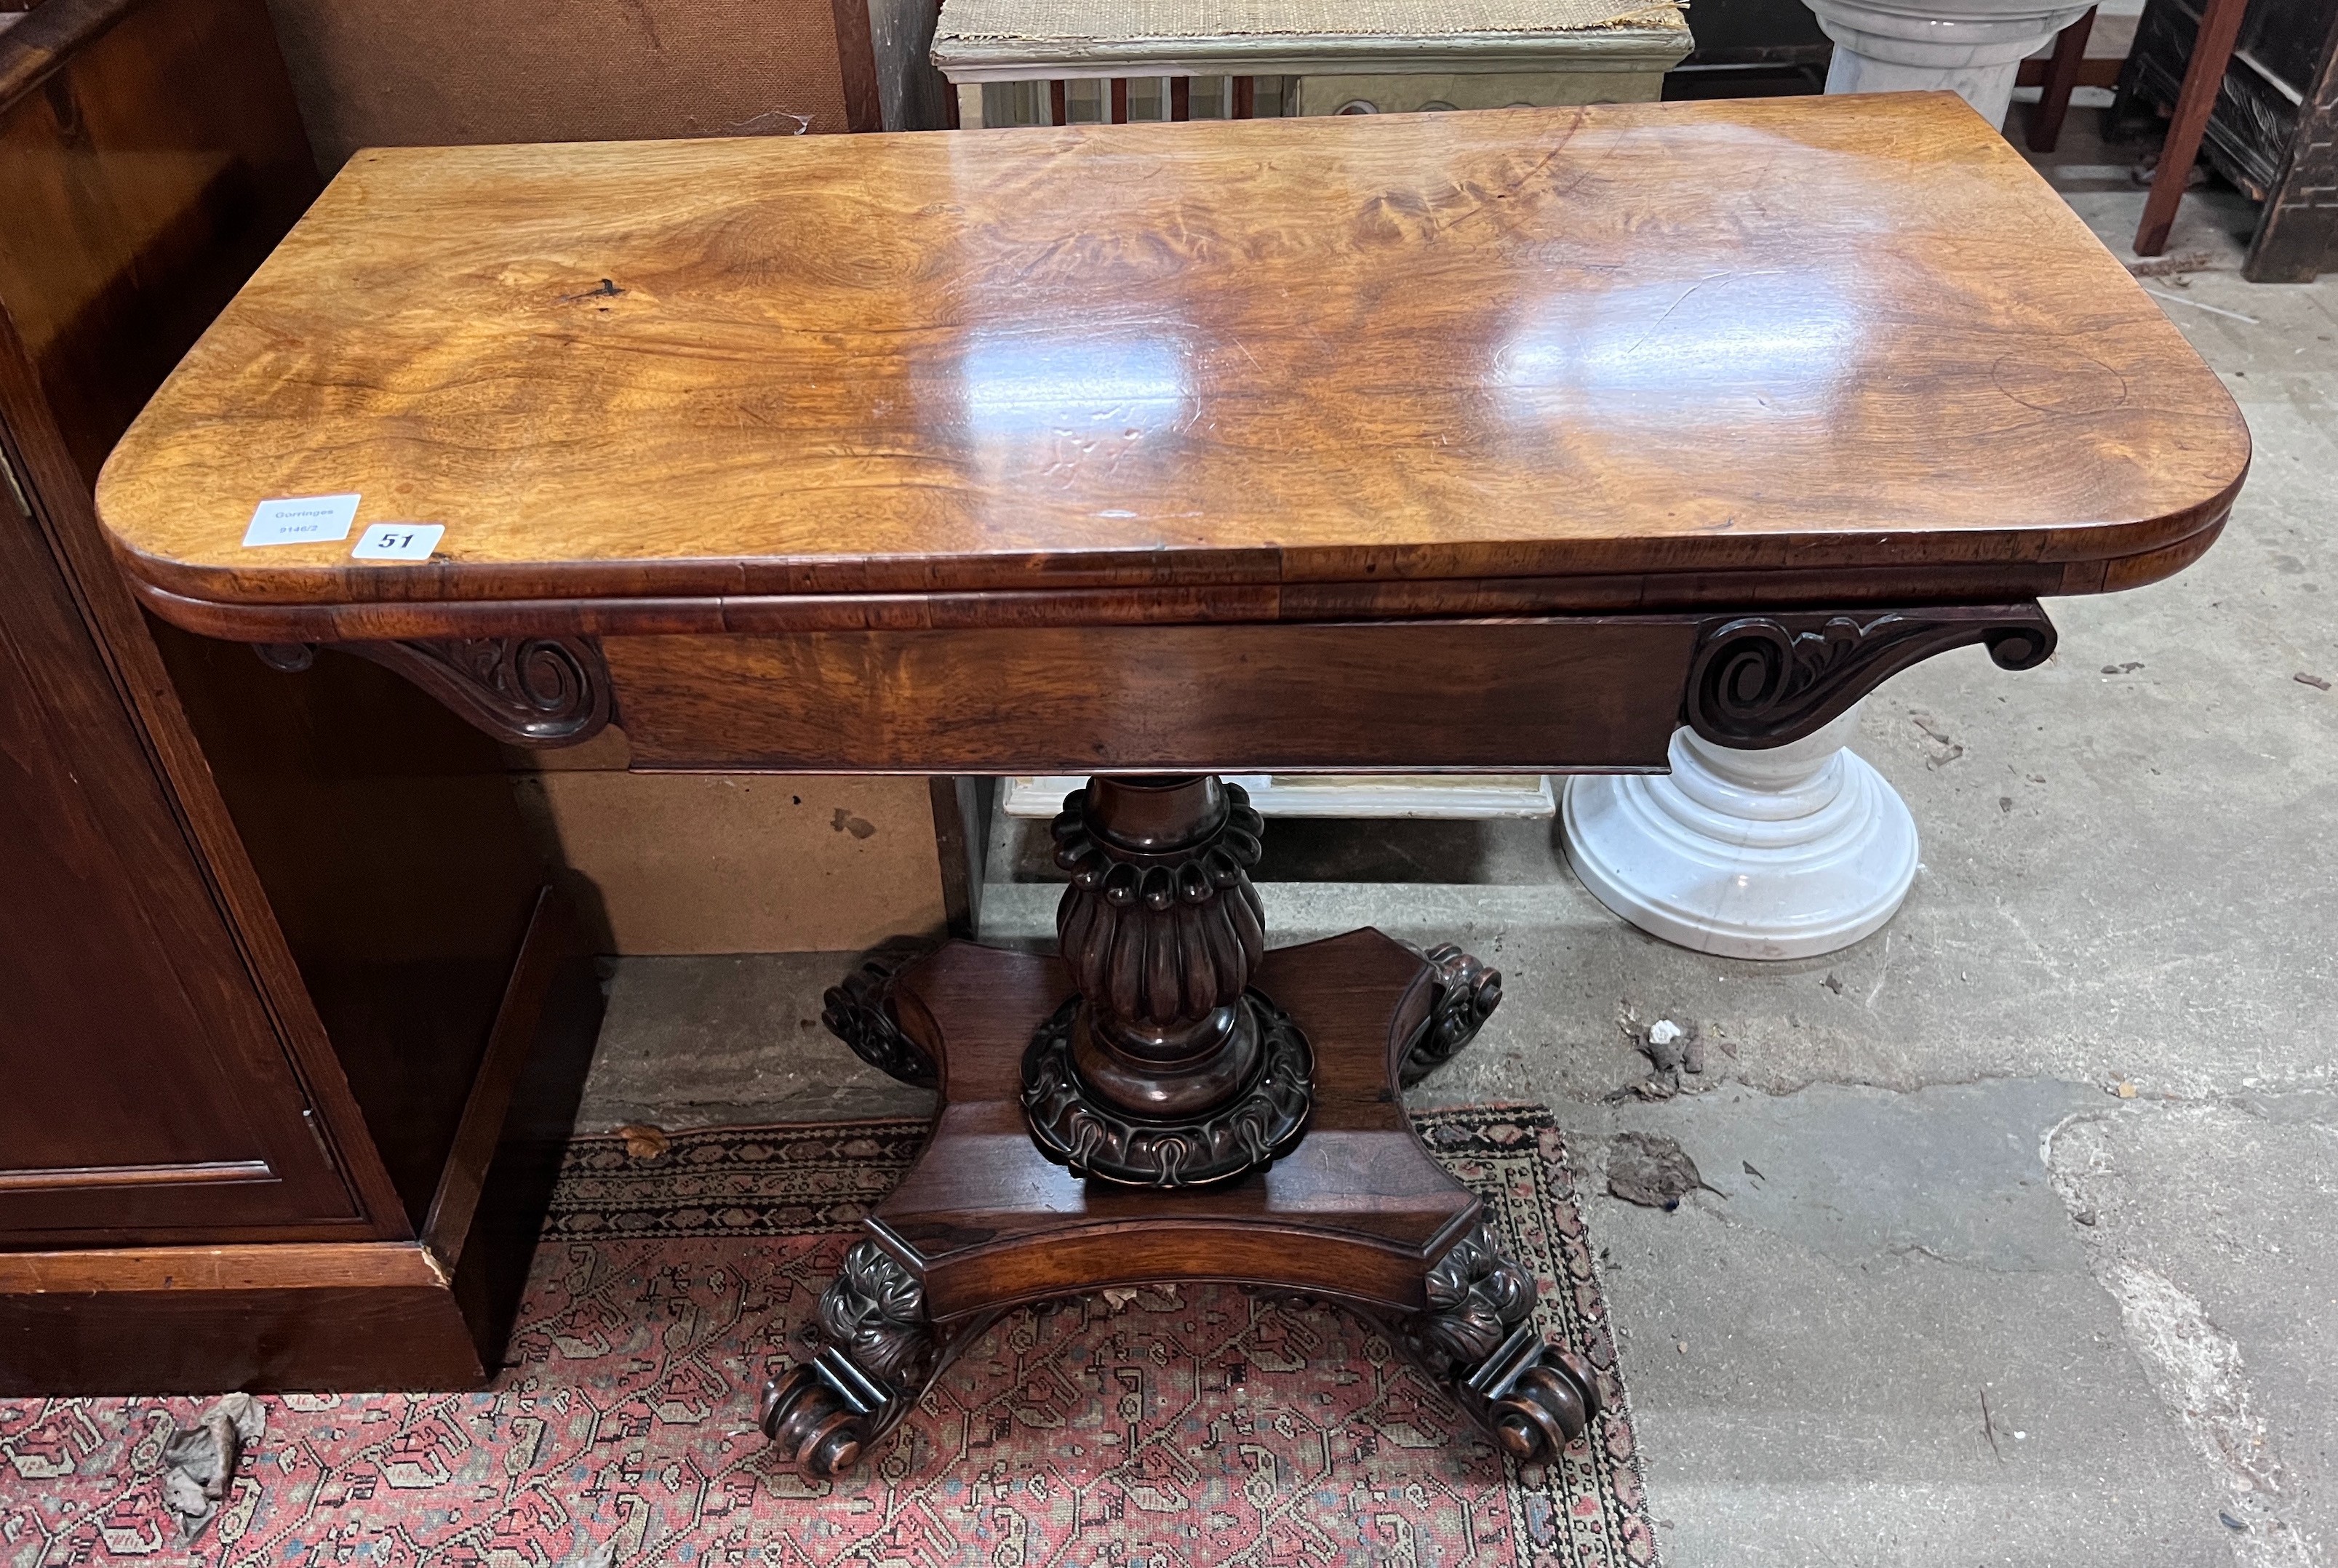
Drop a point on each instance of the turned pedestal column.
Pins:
(1166, 1070)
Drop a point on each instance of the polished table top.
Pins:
(1625, 356)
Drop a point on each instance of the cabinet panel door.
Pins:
(144, 1094)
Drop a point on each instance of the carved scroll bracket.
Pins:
(534, 692)
(1761, 680)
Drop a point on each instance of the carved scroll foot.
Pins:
(1467, 994)
(877, 1352)
(859, 1012)
(1534, 1396)
(1477, 1337)
(819, 1415)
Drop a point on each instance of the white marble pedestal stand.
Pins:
(1972, 47)
(1785, 853)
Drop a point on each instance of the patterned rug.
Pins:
(1201, 1425)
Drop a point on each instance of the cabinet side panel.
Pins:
(139, 196)
(385, 831)
(146, 1090)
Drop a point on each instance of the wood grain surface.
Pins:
(1300, 362)
(1536, 695)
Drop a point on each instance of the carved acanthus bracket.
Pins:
(859, 1012)
(1089, 1135)
(1477, 1337)
(1759, 680)
(1467, 992)
(536, 691)
(876, 1350)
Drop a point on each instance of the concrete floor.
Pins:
(2062, 1138)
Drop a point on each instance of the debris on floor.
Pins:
(1672, 1050)
(1651, 1171)
(2172, 267)
(199, 1461)
(1663, 1047)
(643, 1142)
(1945, 748)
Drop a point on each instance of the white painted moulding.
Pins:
(1655, 46)
(1466, 796)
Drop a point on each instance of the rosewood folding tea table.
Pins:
(1501, 442)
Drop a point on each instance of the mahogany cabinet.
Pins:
(274, 967)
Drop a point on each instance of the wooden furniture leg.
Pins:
(2211, 51)
(2061, 78)
(1139, 1110)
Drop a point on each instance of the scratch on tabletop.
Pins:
(1708, 278)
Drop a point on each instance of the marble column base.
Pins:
(1970, 47)
(1786, 853)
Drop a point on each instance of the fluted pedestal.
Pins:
(1784, 853)
(1970, 47)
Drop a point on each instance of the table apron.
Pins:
(1552, 694)
(1508, 696)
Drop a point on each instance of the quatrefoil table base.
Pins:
(1357, 1213)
